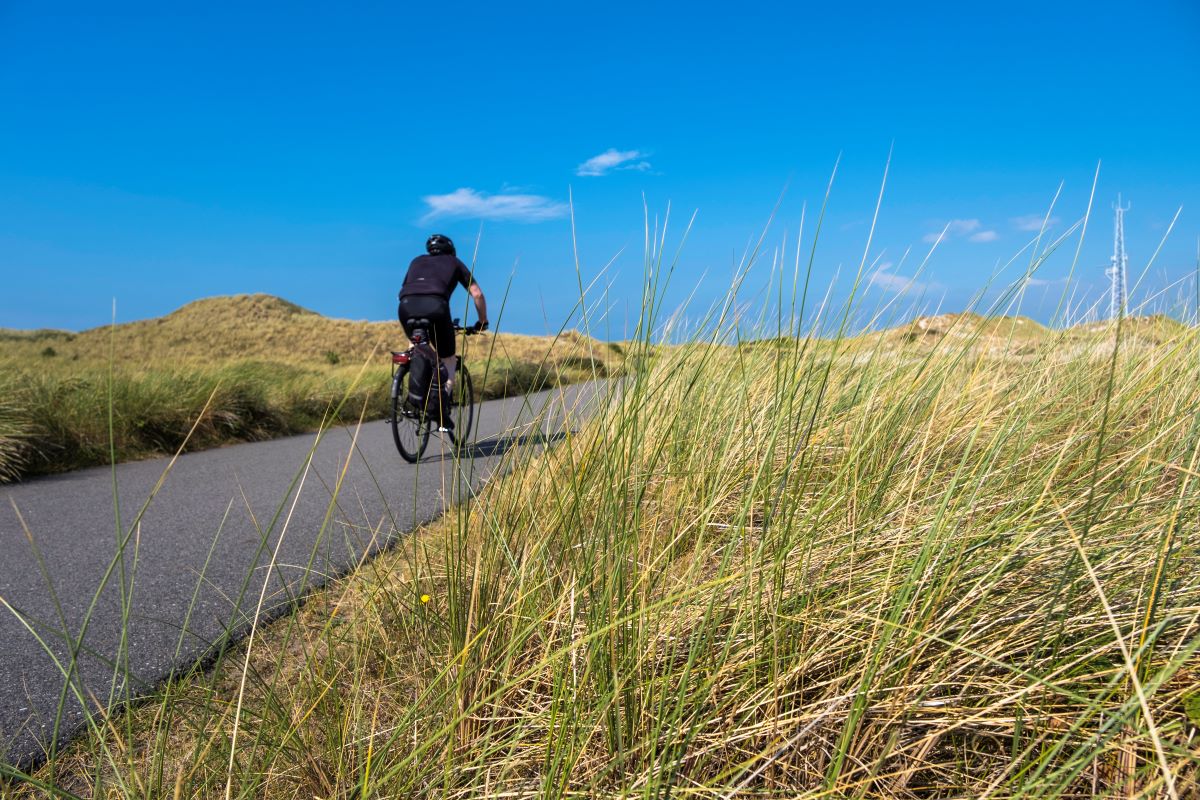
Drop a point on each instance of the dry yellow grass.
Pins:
(1006, 335)
(271, 368)
(218, 330)
(955, 576)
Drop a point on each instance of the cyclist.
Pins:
(430, 281)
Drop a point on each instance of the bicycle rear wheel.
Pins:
(410, 429)
(462, 409)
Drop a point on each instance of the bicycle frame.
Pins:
(402, 407)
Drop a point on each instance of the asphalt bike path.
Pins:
(194, 562)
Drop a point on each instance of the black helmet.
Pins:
(437, 244)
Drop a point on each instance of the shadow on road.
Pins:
(499, 445)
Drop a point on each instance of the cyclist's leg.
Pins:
(444, 345)
(444, 342)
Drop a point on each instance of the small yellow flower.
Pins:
(424, 598)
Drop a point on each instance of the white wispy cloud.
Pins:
(1031, 281)
(613, 159)
(1032, 222)
(891, 282)
(970, 229)
(472, 204)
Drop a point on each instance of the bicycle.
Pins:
(411, 425)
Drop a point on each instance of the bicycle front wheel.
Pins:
(409, 428)
(462, 409)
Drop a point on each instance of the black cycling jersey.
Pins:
(435, 275)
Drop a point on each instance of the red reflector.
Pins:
(399, 358)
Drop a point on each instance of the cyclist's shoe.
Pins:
(447, 426)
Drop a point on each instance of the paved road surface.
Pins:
(217, 515)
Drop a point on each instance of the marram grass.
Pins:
(229, 369)
(868, 568)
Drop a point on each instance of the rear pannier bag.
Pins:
(424, 393)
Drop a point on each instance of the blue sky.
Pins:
(156, 153)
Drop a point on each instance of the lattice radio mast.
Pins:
(1120, 263)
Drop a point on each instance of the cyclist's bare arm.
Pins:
(480, 302)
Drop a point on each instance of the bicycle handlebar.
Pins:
(469, 330)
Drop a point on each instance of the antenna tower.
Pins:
(1120, 263)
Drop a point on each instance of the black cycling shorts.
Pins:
(434, 308)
